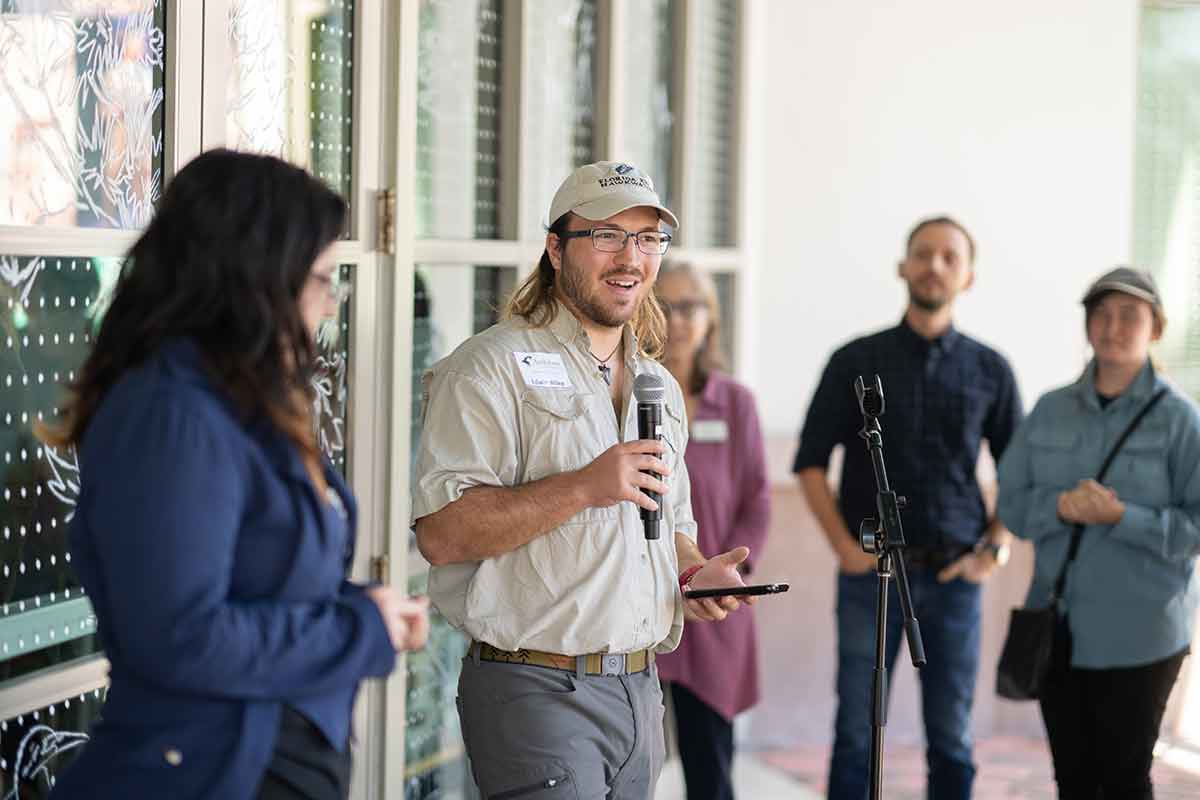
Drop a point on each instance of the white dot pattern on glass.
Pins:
(49, 327)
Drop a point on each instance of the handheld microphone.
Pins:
(649, 391)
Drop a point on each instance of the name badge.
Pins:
(710, 431)
(543, 370)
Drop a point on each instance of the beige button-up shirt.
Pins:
(594, 584)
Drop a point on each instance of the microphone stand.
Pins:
(884, 538)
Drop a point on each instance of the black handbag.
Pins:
(1025, 659)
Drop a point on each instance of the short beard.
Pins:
(570, 283)
(926, 304)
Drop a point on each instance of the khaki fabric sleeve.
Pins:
(469, 439)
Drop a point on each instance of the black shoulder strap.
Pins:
(1077, 533)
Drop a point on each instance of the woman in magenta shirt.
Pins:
(713, 674)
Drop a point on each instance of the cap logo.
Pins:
(622, 178)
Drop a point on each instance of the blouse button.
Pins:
(173, 756)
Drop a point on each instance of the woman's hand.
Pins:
(1091, 503)
(406, 618)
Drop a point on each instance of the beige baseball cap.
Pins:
(601, 190)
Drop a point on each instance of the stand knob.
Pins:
(868, 536)
(901, 502)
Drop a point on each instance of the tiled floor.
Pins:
(1009, 768)
(752, 780)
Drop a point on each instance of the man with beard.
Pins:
(528, 481)
(945, 393)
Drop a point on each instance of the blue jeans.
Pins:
(949, 616)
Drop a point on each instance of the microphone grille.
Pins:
(648, 388)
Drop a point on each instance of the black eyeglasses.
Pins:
(612, 240)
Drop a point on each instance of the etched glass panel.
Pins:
(36, 747)
(649, 103)
(1166, 229)
(711, 216)
(561, 97)
(459, 69)
(290, 85)
(331, 400)
(1166, 226)
(451, 303)
(48, 311)
(81, 101)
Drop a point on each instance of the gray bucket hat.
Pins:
(1127, 280)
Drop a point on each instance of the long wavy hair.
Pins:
(710, 356)
(222, 263)
(535, 301)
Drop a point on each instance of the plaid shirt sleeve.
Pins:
(832, 415)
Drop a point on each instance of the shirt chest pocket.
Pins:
(1139, 472)
(559, 432)
(674, 425)
(1054, 457)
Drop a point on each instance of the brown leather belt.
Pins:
(594, 663)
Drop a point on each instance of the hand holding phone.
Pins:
(737, 591)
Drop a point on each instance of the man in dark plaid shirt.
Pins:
(945, 394)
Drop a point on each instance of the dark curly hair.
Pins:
(223, 263)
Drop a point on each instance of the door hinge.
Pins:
(385, 221)
(381, 568)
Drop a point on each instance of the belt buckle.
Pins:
(612, 664)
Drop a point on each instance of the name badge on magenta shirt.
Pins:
(710, 431)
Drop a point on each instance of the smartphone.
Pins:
(737, 591)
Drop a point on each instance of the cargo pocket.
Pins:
(558, 784)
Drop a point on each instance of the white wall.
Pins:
(1015, 116)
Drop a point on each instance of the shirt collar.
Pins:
(712, 396)
(944, 343)
(567, 328)
(1142, 387)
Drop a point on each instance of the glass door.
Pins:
(101, 101)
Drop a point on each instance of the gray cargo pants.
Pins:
(535, 733)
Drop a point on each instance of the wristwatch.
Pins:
(1000, 552)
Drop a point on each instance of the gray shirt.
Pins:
(518, 403)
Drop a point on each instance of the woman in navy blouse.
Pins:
(1130, 596)
(212, 537)
(714, 672)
